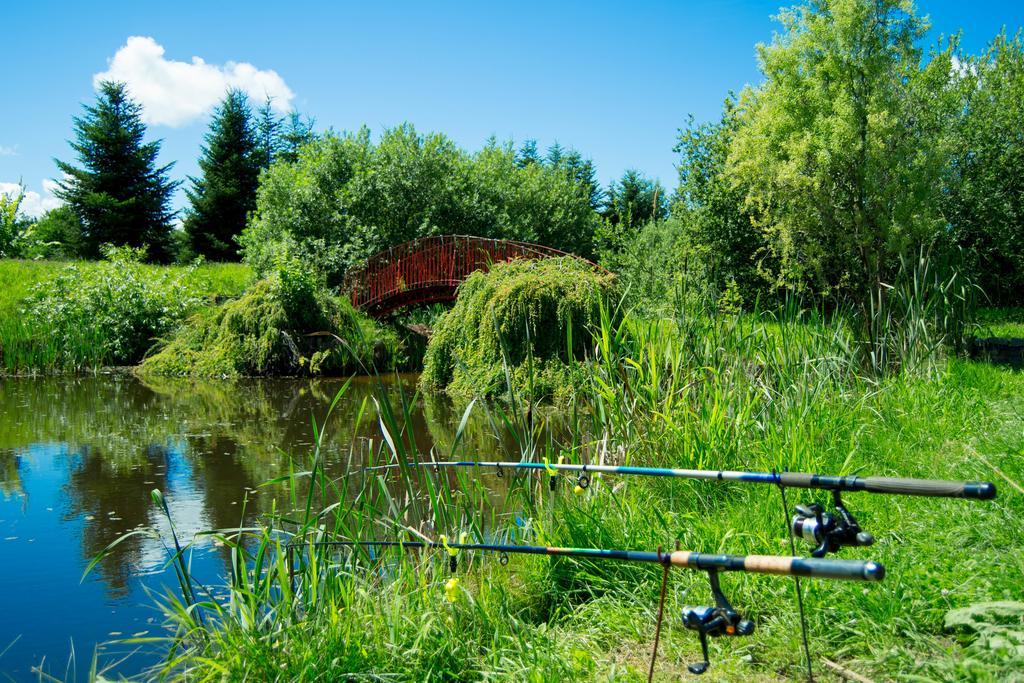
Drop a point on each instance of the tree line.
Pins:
(858, 147)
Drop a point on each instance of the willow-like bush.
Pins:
(536, 316)
(283, 325)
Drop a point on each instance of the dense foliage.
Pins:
(119, 193)
(226, 192)
(633, 200)
(283, 325)
(724, 248)
(348, 197)
(114, 312)
(13, 225)
(839, 170)
(855, 153)
(533, 317)
(986, 188)
(87, 294)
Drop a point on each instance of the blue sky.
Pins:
(614, 80)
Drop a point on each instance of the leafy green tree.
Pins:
(634, 200)
(225, 194)
(722, 242)
(57, 234)
(986, 198)
(11, 221)
(540, 202)
(119, 193)
(837, 171)
(347, 197)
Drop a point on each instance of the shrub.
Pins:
(109, 314)
(283, 325)
(536, 315)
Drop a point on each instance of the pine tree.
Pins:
(297, 132)
(268, 133)
(528, 154)
(225, 194)
(634, 200)
(120, 195)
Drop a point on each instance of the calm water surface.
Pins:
(79, 457)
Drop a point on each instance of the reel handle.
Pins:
(713, 622)
(697, 668)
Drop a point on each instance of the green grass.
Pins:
(60, 317)
(753, 392)
(210, 280)
(1000, 322)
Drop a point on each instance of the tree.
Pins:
(297, 130)
(225, 194)
(347, 197)
(634, 200)
(268, 133)
(11, 221)
(119, 194)
(837, 168)
(720, 239)
(527, 154)
(279, 138)
(986, 197)
(580, 171)
(57, 234)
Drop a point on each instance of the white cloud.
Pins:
(8, 151)
(175, 93)
(33, 204)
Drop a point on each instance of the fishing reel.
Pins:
(712, 622)
(828, 531)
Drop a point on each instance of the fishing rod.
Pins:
(828, 531)
(721, 619)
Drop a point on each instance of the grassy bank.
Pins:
(209, 281)
(66, 317)
(785, 392)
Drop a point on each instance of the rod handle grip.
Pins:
(980, 490)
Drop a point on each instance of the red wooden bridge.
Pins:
(429, 270)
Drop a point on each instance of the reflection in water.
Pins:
(112, 502)
(78, 458)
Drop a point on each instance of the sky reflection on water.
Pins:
(79, 457)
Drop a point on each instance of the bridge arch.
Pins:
(429, 270)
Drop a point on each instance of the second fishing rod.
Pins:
(708, 621)
(828, 530)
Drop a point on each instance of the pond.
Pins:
(79, 457)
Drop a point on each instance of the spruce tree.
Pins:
(268, 133)
(225, 194)
(297, 131)
(119, 194)
(634, 200)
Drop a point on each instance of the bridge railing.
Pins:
(429, 269)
